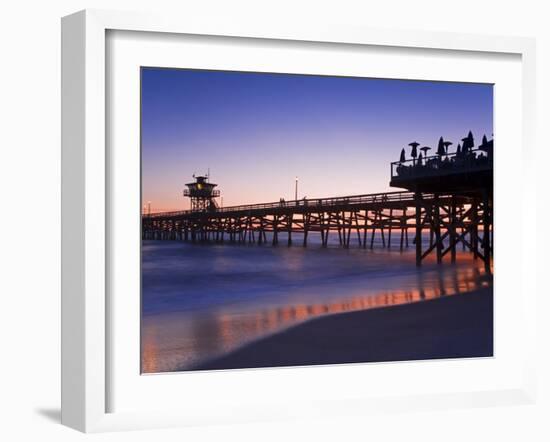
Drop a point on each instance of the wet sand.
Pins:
(449, 327)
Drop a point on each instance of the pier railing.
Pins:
(351, 200)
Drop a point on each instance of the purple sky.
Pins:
(257, 131)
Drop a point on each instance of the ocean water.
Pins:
(201, 301)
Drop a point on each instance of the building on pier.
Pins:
(466, 174)
(465, 170)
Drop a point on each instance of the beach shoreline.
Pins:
(455, 326)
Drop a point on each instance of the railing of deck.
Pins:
(473, 160)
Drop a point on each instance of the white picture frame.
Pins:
(85, 195)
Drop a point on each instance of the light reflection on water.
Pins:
(201, 302)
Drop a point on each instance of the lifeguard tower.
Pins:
(202, 194)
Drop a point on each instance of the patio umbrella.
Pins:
(414, 145)
(458, 152)
(425, 149)
(402, 157)
(484, 144)
(468, 142)
(440, 147)
(447, 144)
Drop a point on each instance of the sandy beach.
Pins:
(449, 327)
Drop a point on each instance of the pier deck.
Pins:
(451, 220)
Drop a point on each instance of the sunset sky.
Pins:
(256, 132)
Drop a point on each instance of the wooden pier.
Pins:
(396, 218)
(448, 204)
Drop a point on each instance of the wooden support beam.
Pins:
(461, 215)
(339, 220)
(389, 228)
(261, 231)
(418, 236)
(357, 228)
(437, 228)
(452, 230)
(306, 228)
(327, 229)
(382, 230)
(474, 227)
(374, 224)
(348, 233)
(289, 227)
(275, 239)
(365, 227)
(486, 231)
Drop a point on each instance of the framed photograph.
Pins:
(262, 222)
